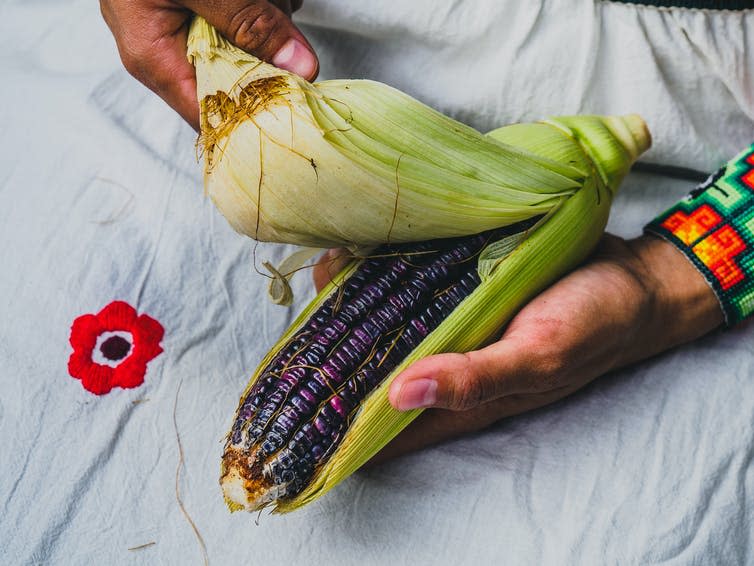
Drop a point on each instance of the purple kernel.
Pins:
(333, 368)
(339, 326)
(371, 329)
(321, 425)
(299, 439)
(287, 476)
(312, 358)
(236, 436)
(330, 332)
(307, 396)
(300, 404)
(318, 451)
(286, 459)
(339, 406)
(311, 433)
(362, 336)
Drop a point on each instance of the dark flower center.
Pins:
(115, 348)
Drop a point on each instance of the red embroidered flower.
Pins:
(113, 347)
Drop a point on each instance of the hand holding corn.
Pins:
(502, 216)
(151, 37)
(631, 300)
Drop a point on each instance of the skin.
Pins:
(151, 39)
(631, 300)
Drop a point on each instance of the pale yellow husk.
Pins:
(345, 163)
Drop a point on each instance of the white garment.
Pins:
(491, 62)
(101, 199)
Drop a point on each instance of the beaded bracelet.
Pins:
(714, 228)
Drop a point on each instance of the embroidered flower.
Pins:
(113, 347)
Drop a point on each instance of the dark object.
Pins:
(698, 4)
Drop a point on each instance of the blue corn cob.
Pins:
(294, 416)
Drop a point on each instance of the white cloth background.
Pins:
(101, 199)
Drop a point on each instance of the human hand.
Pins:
(631, 300)
(151, 38)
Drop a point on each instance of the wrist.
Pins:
(684, 305)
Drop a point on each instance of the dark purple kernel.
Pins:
(329, 414)
(420, 327)
(319, 348)
(317, 386)
(331, 333)
(301, 405)
(353, 311)
(267, 447)
(348, 396)
(371, 329)
(346, 355)
(357, 344)
(272, 402)
(310, 431)
(322, 426)
(287, 421)
(280, 431)
(333, 368)
(287, 476)
(285, 458)
(236, 437)
(310, 359)
(299, 445)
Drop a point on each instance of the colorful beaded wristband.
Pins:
(714, 228)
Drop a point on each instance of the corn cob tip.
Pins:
(243, 484)
(632, 131)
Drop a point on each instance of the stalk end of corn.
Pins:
(243, 484)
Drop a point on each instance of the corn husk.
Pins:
(357, 163)
(349, 163)
(512, 274)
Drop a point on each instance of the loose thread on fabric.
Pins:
(179, 467)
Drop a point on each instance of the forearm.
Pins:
(682, 305)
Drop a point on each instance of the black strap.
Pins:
(706, 4)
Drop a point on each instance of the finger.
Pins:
(463, 381)
(330, 264)
(262, 29)
(152, 46)
(173, 78)
(439, 425)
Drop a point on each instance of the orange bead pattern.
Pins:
(714, 228)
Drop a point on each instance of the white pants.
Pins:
(689, 73)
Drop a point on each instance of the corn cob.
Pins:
(293, 417)
(513, 211)
(317, 408)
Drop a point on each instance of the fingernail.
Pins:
(295, 57)
(417, 394)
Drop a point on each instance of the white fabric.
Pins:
(101, 199)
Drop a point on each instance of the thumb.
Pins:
(262, 29)
(461, 381)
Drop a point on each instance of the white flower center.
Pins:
(99, 357)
